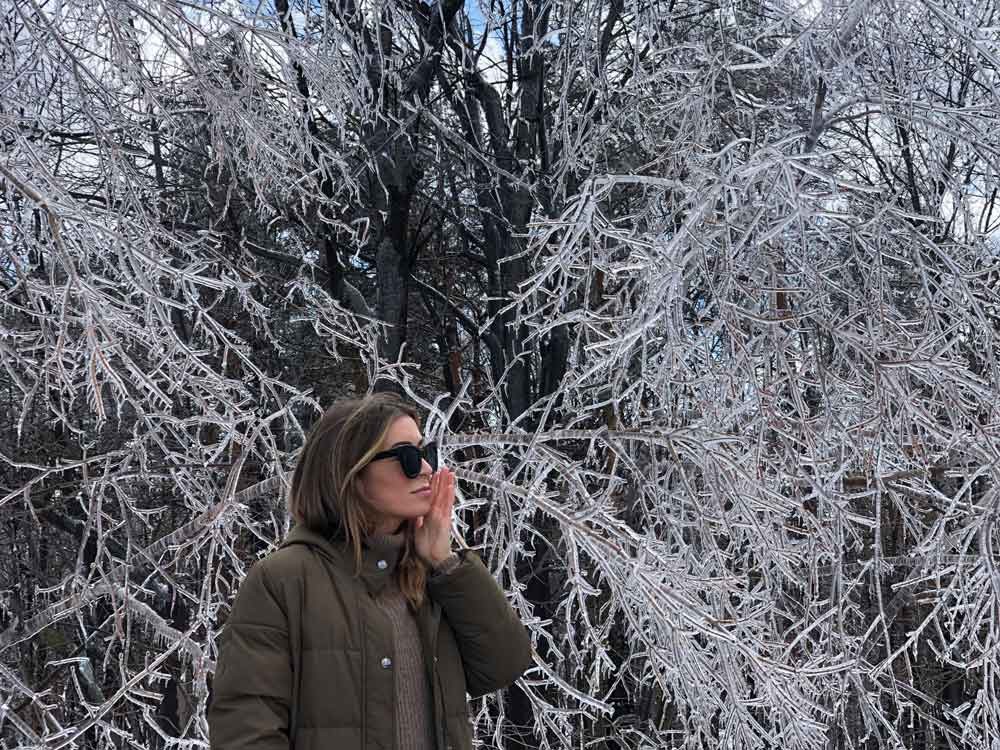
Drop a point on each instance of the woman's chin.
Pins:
(419, 511)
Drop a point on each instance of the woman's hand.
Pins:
(432, 532)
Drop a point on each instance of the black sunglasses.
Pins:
(410, 457)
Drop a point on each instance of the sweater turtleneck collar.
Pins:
(387, 547)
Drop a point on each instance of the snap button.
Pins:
(382, 564)
(386, 662)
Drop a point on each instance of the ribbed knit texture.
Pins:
(414, 696)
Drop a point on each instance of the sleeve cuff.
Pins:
(446, 566)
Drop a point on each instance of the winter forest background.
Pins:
(700, 295)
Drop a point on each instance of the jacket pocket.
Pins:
(452, 674)
(325, 738)
(338, 674)
(459, 733)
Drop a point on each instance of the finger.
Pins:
(449, 492)
(435, 511)
(447, 497)
(435, 489)
(442, 489)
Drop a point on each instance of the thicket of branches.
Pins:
(701, 298)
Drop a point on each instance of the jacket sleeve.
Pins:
(492, 641)
(252, 689)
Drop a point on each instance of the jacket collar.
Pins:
(378, 562)
(337, 552)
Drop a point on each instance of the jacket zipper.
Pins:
(443, 720)
(443, 744)
(364, 682)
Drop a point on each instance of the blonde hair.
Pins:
(325, 495)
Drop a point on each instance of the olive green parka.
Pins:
(307, 654)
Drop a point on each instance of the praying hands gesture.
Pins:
(432, 532)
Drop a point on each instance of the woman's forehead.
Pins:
(402, 430)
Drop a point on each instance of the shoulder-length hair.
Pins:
(325, 494)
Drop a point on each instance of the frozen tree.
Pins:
(699, 297)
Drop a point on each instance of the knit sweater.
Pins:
(414, 694)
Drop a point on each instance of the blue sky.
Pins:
(475, 14)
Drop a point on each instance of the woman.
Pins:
(364, 629)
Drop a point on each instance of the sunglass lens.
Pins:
(409, 458)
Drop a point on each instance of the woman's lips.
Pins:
(422, 491)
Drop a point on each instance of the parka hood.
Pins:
(378, 565)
